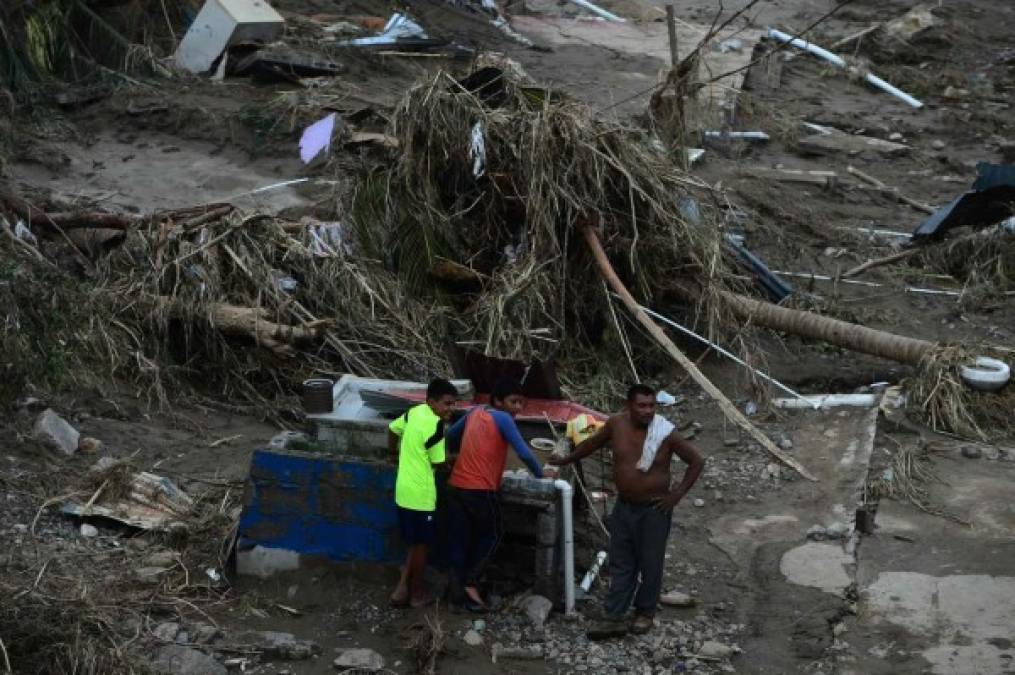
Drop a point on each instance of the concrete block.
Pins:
(221, 24)
(263, 562)
(55, 432)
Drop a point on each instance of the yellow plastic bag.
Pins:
(582, 428)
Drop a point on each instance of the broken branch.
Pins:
(730, 410)
(877, 262)
(871, 180)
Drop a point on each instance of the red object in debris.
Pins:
(536, 409)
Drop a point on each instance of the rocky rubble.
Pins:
(672, 646)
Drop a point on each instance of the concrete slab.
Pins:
(838, 446)
(817, 565)
(652, 40)
(942, 598)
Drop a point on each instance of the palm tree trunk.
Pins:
(839, 333)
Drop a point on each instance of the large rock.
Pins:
(537, 608)
(360, 658)
(56, 433)
(180, 660)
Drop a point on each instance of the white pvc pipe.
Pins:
(566, 497)
(829, 401)
(741, 135)
(837, 60)
(595, 9)
(590, 576)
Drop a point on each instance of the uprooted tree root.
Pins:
(938, 397)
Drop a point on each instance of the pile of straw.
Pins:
(513, 232)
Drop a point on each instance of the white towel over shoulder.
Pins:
(658, 430)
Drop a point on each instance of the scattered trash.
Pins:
(677, 599)
(738, 135)
(850, 144)
(317, 138)
(913, 22)
(284, 282)
(775, 288)
(595, 9)
(871, 180)
(89, 445)
(286, 64)
(472, 638)
(384, 140)
(750, 408)
(22, 232)
(89, 530)
(328, 239)
(666, 399)
(139, 499)
(730, 45)
(841, 63)
(829, 401)
(716, 650)
(986, 375)
(221, 24)
(989, 201)
(477, 150)
(699, 503)
(826, 179)
(399, 30)
(213, 574)
(281, 440)
(56, 433)
(590, 576)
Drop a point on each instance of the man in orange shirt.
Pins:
(474, 508)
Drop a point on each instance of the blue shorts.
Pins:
(417, 527)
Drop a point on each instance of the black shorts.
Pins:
(417, 527)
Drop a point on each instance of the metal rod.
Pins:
(727, 354)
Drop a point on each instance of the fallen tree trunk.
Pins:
(839, 333)
(730, 410)
(65, 220)
(254, 323)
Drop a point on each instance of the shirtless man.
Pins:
(640, 522)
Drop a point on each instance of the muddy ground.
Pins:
(177, 143)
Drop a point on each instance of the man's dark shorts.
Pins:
(417, 526)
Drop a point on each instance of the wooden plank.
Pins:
(826, 144)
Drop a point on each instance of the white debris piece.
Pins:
(221, 24)
(398, 26)
(477, 150)
(55, 432)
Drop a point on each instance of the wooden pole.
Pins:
(671, 27)
(728, 409)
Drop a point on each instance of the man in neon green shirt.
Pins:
(416, 440)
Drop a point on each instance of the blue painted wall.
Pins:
(336, 507)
